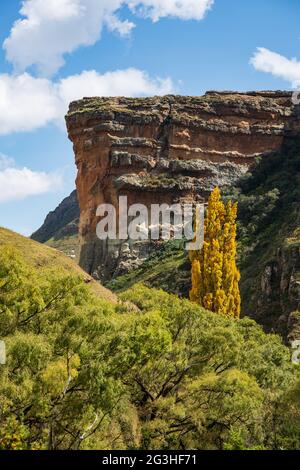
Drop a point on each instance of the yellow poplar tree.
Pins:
(215, 276)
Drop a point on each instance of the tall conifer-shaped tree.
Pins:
(215, 276)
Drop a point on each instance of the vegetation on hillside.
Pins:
(269, 235)
(268, 223)
(41, 256)
(151, 372)
(168, 268)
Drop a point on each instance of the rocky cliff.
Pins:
(165, 149)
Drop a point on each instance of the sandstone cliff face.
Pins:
(165, 149)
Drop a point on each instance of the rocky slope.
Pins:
(165, 149)
(60, 228)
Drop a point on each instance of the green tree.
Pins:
(205, 377)
(151, 371)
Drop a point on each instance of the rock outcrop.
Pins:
(165, 149)
(276, 301)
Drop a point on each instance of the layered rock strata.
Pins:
(165, 149)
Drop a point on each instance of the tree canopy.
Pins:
(151, 372)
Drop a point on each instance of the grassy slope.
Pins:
(67, 245)
(167, 269)
(40, 256)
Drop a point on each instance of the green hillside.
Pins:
(150, 371)
(41, 256)
(167, 268)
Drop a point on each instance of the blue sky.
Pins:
(65, 49)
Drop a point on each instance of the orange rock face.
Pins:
(165, 149)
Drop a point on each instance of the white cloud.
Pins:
(267, 61)
(129, 82)
(183, 9)
(49, 29)
(19, 183)
(28, 103)
(5, 161)
(52, 28)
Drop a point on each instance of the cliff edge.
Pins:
(165, 149)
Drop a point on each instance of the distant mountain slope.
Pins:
(60, 228)
(42, 256)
